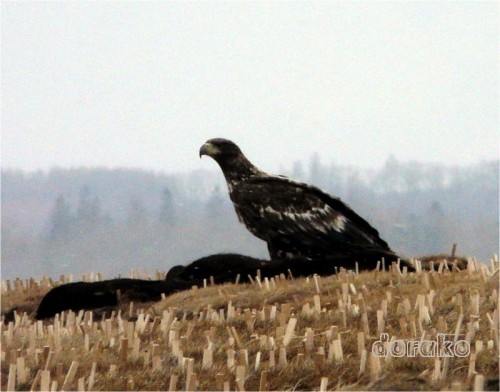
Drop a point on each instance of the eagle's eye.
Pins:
(209, 149)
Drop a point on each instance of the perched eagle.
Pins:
(297, 220)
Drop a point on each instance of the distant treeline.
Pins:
(112, 220)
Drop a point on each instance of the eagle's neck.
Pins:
(237, 169)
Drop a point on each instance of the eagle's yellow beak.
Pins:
(208, 149)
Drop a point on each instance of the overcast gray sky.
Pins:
(139, 84)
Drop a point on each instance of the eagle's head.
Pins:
(235, 166)
(220, 149)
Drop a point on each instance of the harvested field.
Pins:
(313, 333)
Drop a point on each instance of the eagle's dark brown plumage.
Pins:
(296, 220)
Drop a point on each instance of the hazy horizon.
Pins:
(143, 85)
(110, 221)
(282, 166)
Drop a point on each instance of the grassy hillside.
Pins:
(280, 334)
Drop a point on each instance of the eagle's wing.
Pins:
(301, 220)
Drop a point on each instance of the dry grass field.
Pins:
(283, 333)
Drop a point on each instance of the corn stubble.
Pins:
(277, 333)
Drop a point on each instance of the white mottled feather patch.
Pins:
(339, 223)
(310, 217)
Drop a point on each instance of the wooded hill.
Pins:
(79, 220)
